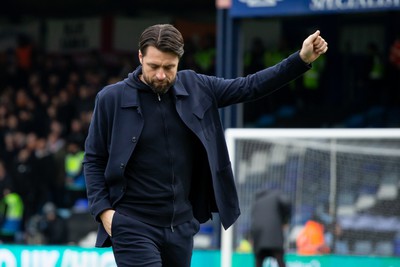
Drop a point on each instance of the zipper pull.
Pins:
(159, 98)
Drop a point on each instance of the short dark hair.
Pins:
(164, 37)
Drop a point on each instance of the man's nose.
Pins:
(160, 75)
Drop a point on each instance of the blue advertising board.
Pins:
(74, 256)
(257, 8)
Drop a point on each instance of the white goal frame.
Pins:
(233, 134)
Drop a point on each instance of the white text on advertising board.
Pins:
(54, 258)
(352, 4)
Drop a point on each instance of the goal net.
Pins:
(347, 176)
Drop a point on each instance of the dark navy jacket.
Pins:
(117, 123)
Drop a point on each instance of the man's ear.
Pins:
(140, 55)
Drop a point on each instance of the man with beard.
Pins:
(156, 163)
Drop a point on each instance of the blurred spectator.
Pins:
(75, 180)
(311, 85)
(24, 53)
(189, 58)
(57, 147)
(270, 215)
(311, 239)
(77, 133)
(334, 239)
(10, 150)
(32, 234)
(24, 180)
(44, 171)
(11, 208)
(245, 244)
(52, 226)
(205, 54)
(65, 108)
(84, 101)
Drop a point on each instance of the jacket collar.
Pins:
(178, 88)
(130, 97)
(130, 94)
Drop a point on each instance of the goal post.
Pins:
(348, 176)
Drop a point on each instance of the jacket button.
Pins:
(122, 166)
(134, 139)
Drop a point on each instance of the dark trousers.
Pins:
(274, 253)
(137, 244)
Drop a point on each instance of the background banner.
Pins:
(251, 8)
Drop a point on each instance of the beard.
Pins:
(158, 87)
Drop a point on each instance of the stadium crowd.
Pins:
(45, 107)
(46, 103)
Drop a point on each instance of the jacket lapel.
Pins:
(130, 97)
